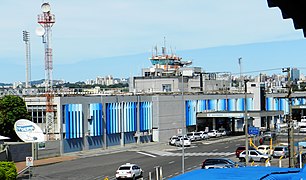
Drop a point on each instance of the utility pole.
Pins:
(240, 79)
(290, 122)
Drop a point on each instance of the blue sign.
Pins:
(253, 131)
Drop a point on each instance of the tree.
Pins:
(12, 108)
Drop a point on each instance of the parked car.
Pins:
(240, 149)
(204, 135)
(213, 163)
(129, 171)
(181, 140)
(194, 136)
(172, 140)
(254, 155)
(224, 132)
(214, 133)
(269, 135)
(281, 151)
(264, 149)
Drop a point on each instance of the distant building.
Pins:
(295, 75)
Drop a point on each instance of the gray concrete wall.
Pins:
(19, 151)
(51, 149)
(168, 115)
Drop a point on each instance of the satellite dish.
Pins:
(28, 131)
(45, 7)
(40, 31)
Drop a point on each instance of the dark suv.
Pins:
(213, 163)
(240, 149)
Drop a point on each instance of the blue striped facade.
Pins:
(146, 116)
(119, 117)
(191, 110)
(282, 104)
(95, 125)
(73, 116)
(192, 107)
(129, 116)
(113, 125)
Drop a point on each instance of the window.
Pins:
(253, 153)
(166, 87)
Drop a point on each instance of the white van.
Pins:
(302, 127)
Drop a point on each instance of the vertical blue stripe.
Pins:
(240, 104)
(67, 121)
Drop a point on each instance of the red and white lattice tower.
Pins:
(46, 20)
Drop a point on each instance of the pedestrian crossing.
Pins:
(165, 153)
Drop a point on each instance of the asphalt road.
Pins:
(162, 155)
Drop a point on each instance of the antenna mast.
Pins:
(46, 20)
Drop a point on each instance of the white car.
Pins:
(172, 140)
(186, 141)
(264, 149)
(194, 136)
(131, 171)
(214, 133)
(204, 135)
(254, 155)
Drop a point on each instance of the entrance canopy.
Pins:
(238, 114)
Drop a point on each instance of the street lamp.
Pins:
(246, 123)
(183, 146)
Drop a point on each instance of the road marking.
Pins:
(146, 154)
(215, 150)
(171, 162)
(237, 144)
(226, 147)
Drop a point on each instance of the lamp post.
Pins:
(183, 146)
(290, 122)
(246, 123)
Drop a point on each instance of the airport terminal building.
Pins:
(167, 99)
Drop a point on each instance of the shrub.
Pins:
(9, 169)
(2, 173)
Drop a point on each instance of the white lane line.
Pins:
(237, 144)
(215, 150)
(226, 147)
(171, 162)
(146, 154)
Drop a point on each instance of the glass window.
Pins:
(166, 87)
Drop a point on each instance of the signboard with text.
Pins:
(253, 131)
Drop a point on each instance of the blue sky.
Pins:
(113, 31)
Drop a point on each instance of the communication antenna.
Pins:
(240, 69)
(46, 20)
(26, 39)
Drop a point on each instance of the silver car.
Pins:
(281, 151)
(254, 155)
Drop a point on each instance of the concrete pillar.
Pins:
(214, 123)
(233, 125)
(138, 120)
(104, 123)
(86, 115)
(121, 122)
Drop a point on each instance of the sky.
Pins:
(116, 33)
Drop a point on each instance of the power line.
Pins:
(265, 70)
